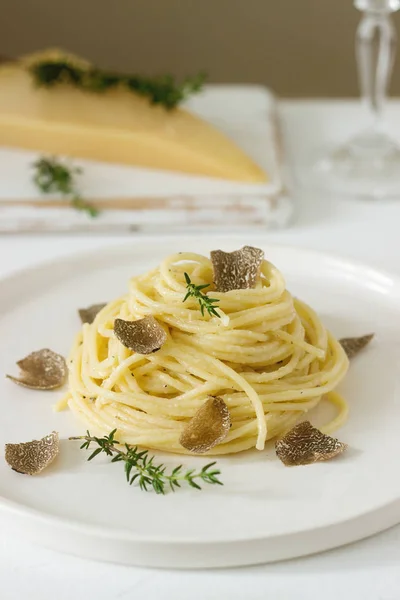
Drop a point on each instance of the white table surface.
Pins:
(367, 570)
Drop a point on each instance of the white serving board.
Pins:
(247, 114)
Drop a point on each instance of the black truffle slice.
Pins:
(354, 345)
(238, 270)
(42, 370)
(143, 336)
(89, 314)
(30, 458)
(305, 444)
(208, 427)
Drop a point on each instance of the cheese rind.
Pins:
(115, 126)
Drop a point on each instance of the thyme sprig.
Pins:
(163, 90)
(141, 468)
(195, 291)
(51, 176)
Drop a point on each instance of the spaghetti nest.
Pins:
(266, 354)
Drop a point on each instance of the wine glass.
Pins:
(368, 165)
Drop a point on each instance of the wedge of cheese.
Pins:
(117, 126)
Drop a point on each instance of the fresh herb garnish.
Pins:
(140, 468)
(51, 176)
(162, 90)
(195, 291)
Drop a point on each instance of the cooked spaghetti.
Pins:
(266, 355)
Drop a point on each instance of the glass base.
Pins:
(366, 167)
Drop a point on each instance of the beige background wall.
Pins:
(298, 47)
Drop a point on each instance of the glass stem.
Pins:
(375, 51)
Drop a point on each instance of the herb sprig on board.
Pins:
(195, 291)
(163, 90)
(53, 177)
(140, 467)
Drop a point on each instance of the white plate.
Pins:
(265, 511)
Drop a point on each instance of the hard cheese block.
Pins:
(116, 126)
